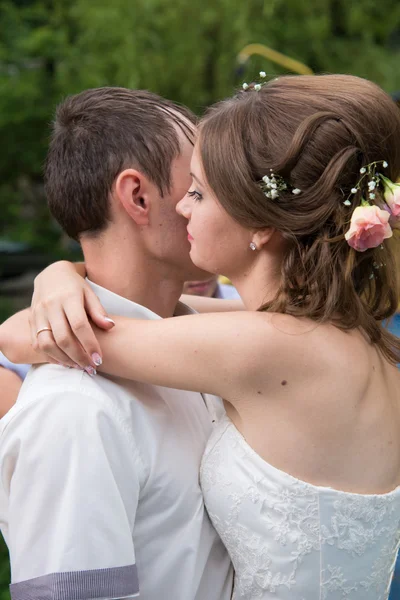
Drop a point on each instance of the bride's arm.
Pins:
(15, 340)
(222, 354)
(64, 302)
(62, 268)
(200, 304)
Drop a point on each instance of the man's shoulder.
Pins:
(58, 405)
(44, 380)
(67, 392)
(73, 394)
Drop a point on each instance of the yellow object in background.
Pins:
(276, 57)
(225, 280)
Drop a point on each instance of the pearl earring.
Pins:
(253, 246)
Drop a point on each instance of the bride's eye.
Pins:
(196, 195)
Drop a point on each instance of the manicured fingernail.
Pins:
(109, 320)
(91, 371)
(96, 358)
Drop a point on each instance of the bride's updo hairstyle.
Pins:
(316, 132)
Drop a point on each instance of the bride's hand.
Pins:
(63, 302)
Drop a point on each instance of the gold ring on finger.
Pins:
(43, 329)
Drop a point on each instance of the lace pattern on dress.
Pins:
(289, 539)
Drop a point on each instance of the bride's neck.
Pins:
(260, 283)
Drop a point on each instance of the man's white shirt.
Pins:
(99, 489)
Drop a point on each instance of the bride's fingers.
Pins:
(80, 327)
(95, 310)
(47, 345)
(66, 340)
(38, 319)
(73, 340)
(33, 329)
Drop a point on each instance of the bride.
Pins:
(293, 200)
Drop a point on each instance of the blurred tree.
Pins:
(185, 51)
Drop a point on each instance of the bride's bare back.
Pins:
(331, 414)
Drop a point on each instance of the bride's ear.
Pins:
(132, 190)
(261, 237)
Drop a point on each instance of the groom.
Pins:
(100, 493)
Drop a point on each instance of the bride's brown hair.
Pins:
(316, 132)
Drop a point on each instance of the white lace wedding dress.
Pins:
(290, 540)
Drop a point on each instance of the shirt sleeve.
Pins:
(70, 482)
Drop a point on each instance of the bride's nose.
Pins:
(184, 207)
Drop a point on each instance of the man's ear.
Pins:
(132, 189)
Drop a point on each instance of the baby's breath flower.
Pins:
(272, 185)
(363, 170)
(354, 190)
(263, 74)
(257, 87)
(372, 196)
(347, 202)
(371, 185)
(245, 86)
(384, 164)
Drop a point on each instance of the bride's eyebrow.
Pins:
(196, 178)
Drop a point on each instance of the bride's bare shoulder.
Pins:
(301, 341)
(278, 326)
(271, 337)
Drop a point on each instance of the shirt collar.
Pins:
(118, 305)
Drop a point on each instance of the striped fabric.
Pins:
(100, 584)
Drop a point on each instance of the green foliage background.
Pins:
(183, 50)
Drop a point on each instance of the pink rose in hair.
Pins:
(369, 226)
(392, 199)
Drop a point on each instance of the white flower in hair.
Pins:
(245, 86)
(384, 164)
(257, 87)
(273, 184)
(263, 74)
(371, 179)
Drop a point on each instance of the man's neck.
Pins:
(122, 271)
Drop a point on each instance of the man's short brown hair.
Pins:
(97, 134)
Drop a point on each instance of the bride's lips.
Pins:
(189, 236)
